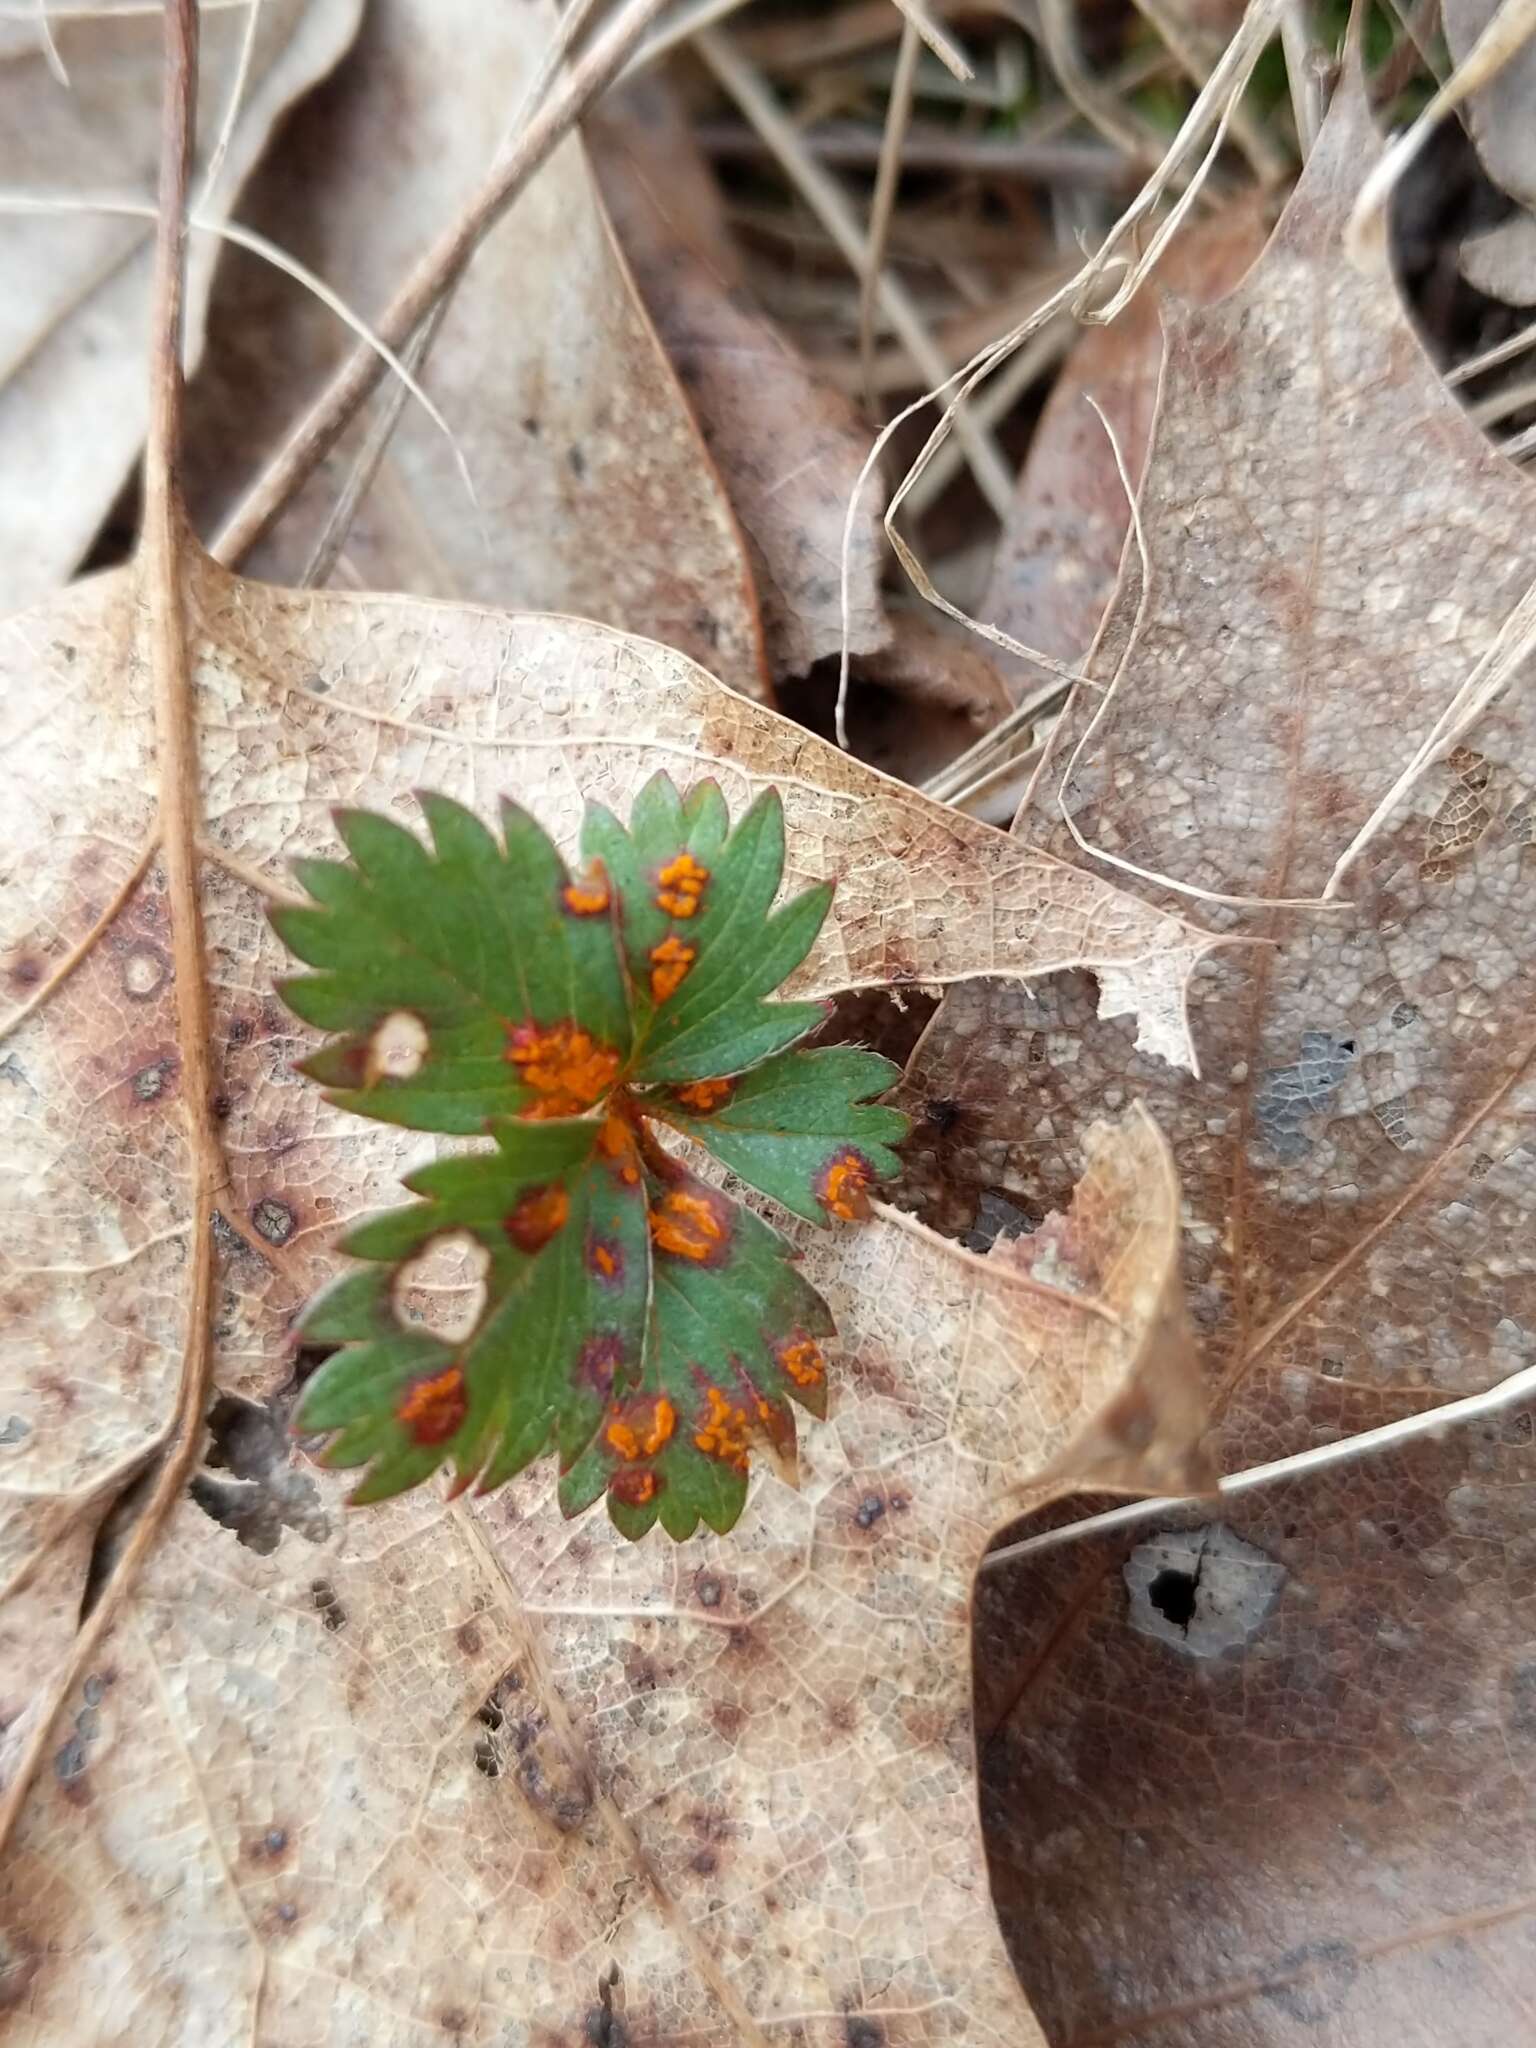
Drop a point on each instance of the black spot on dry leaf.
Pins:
(323, 1598)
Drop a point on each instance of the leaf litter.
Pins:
(181, 1193)
(1288, 1795)
(539, 1712)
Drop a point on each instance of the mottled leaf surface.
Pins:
(1263, 1775)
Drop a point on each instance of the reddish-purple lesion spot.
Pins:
(431, 1408)
(538, 1216)
(600, 1362)
(605, 1260)
(692, 1222)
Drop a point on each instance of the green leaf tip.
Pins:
(631, 1318)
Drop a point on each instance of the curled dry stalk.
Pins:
(158, 568)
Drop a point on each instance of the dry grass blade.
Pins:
(898, 114)
(749, 89)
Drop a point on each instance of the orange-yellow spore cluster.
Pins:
(616, 1142)
(681, 886)
(643, 1432)
(588, 895)
(431, 1410)
(604, 1259)
(801, 1358)
(706, 1095)
(843, 1187)
(723, 1432)
(537, 1216)
(689, 1225)
(670, 962)
(567, 1069)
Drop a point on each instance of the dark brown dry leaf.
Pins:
(74, 307)
(1501, 113)
(1054, 570)
(1268, 1780)
(596, 496)
(789, 447)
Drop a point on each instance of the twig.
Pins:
(1407, 1428)
(846, 144)
(1500, 404)
(747, 86)
(1490, 359)
(317, 433)
(1302, 72)
(162, 550)
(332, 537)
(897, 116)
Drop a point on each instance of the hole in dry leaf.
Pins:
(1175, 1594)
(111, 1534)
(397, 1048)
(443, 1288)
(251, 1484)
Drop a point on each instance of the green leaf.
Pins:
(508, 964)
(799, 1128)
(701, 940)
(558, 1211)
(633, 1320)
(737, 1335)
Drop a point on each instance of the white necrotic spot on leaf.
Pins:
(397, 1048)
(442, 1289)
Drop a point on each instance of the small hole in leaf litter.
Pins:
(1174, 1595)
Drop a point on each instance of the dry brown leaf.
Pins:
(1500, 113)
(1266, 1778)
(1502, 261)
(789, 447)
(596, 496)
(441, 1768)
(72, 317)
(1054, 571)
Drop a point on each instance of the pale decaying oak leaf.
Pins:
(1499, 112)
(1266, 1776)
(75, 305)
(595, 494)
(789, 447)
(478, 1772)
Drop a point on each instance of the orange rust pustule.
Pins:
(605, 1260)
(616, 1142)
(640, 1428)
(801, 1358)
(722, 1432)
(670, 964)
(431, 1409)
(692, 1223)
(539, 1215)
(567, 1069)
(704, 1096)
(634, 1487)
(842, 1186)
(589, 895)
(680, 886)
